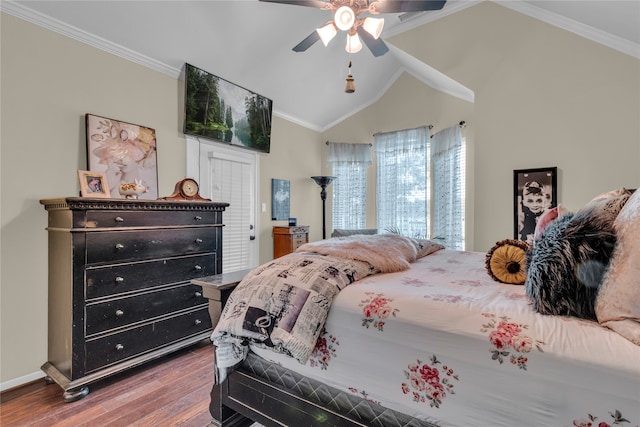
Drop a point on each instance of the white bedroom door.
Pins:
(230, 175)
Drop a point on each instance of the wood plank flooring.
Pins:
(171, 391)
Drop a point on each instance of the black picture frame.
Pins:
(534, 192)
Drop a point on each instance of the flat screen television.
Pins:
(220, 110)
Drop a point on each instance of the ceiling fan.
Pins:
(347, 17)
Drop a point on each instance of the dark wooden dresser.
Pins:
(119, 283)
(288, 239)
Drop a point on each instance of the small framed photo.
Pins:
(93, 184)
(534, 192)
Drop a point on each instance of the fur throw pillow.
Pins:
(565, 268)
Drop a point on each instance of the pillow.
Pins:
(565, 268)
(618, 303)
(344, 232)
(612, 193)
(426, 247)
(603, 210)
(546, 219)
(505, 261)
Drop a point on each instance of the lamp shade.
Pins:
(327, 32)
(345, 18)
(373, 26)
(323, 181)
(354, 44)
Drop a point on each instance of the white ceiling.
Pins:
(249, 43)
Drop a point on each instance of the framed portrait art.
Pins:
(93, 184)
(534, 192)
(124, 153)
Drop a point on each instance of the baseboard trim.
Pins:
(20, 381)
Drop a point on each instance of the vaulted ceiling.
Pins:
(249, 43)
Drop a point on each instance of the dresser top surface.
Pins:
(86, 203)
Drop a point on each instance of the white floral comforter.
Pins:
(444, 342)
(283, 304)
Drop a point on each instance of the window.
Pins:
(448, 166)
(420, 184)
(401, 182)
(349, 163)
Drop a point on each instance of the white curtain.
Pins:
(349, 163)
(401, 191)
(448, 163)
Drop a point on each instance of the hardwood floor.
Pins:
(171, 391)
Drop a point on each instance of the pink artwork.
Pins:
(125, 153)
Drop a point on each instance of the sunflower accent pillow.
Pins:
(506, 261)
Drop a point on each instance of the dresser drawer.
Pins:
(120, 312)
(121, 278)
(110, 349)
(119, 246)
(298, 240)
(115, 218)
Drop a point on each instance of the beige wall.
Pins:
(48, 83)
(295, 158)
(544, 97)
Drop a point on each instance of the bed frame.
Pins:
(275, 396)
(259, 391)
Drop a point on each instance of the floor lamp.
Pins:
(323, 182)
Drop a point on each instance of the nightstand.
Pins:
(288, 239)
(217, 288)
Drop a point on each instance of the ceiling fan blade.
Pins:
(376, 46)
(307, 42)
(391, 6)
(320, 4)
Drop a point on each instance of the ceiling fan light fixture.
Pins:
(373, 26)
(345, 18)
(354, 45)
(327, 32)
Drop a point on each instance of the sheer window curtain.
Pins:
(448, 163)
(349, 163)
(402, 196)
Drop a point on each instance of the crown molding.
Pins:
(602, 37)
(49, 23)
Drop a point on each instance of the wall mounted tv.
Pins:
(220, 110)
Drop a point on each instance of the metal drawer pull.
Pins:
(119, 279)
(119, 347)
(198, 294)
(119, 313)
(198, 321)
(197, 268)
(119, 246)
(198, 218)
(119, 219)
(198, 241)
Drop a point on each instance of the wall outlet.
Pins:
(264, 207)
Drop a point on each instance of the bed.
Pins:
(437, 342)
